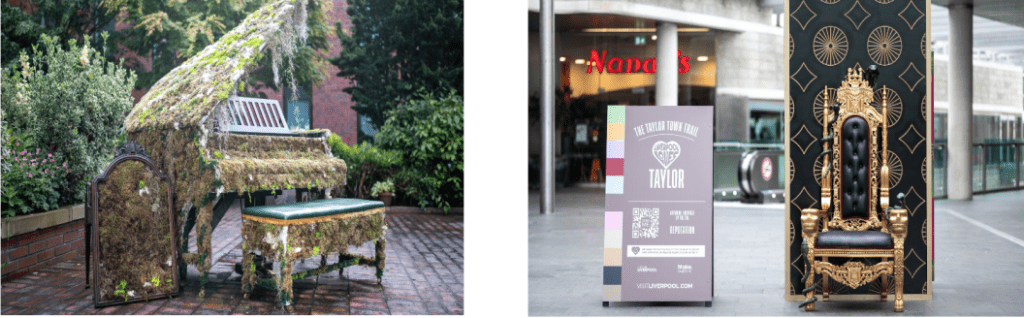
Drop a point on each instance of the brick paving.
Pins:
(424, 275)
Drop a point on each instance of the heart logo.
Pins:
(636, 250)
(666, 152)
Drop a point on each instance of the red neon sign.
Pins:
(633, 64)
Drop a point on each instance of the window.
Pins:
(298, 111)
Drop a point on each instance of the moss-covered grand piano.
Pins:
(216, 147)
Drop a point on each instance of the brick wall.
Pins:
(30, 252)
(332, 108)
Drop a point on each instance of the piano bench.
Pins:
(297, 231)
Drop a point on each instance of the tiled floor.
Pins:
(424, 275)
(979, 263)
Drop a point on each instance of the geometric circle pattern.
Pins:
(792, 170)
(818, 165)
(884, 45)
(924, 108)
(894, 104)
(895, 169)
(924, 172)
(924, 46)
(830, 45)
(790, 46)
(819, 105)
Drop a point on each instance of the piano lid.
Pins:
(188, 94)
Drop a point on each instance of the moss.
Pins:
(134, 237)
(254, 43)
(225, 91)
(220, 61)
(306, 241)
(229, 38)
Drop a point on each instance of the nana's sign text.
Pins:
(631, 64)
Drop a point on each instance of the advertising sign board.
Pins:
(658, 204)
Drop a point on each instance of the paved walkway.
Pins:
(424, 275)
(979, 263)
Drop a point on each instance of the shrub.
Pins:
(72, 102)
(366, 165)
(427, 131)
(31, 179)
(382, 187)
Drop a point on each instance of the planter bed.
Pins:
(35, 241)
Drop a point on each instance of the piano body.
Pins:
(217, 147)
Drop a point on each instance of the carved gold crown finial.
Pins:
(855, 92)
(854, 76)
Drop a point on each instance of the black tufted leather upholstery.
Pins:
(854, 239)
(856, 168)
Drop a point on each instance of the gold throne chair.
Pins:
(855, 220)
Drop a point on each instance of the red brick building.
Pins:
(330, 107)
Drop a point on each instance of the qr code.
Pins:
(645, 222)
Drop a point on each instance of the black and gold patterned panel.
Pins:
(826, 38)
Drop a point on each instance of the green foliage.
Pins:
(72, 104)
(366, 164)
(396, 47)
(55, 18)
(121, 287)
(382, 187)
(428, 132)
(31, 183)
(172, 31)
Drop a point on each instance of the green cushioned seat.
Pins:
(312, 209)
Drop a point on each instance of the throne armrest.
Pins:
(898, 220)
(810, 222)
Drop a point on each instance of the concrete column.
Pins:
(961, 107)
(547, 104)
(667, 85)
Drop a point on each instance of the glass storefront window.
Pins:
(765, 127)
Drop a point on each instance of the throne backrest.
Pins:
(856, 169)
(858, 157)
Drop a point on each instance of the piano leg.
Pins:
(190, 222)
(225, 202)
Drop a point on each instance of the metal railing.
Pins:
(997, 166)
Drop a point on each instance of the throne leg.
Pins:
(885, 282)
(808, 283)
(898, 306)
(824, 283)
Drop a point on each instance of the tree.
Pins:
(66, 19)
(398, 47)
(169, 32)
